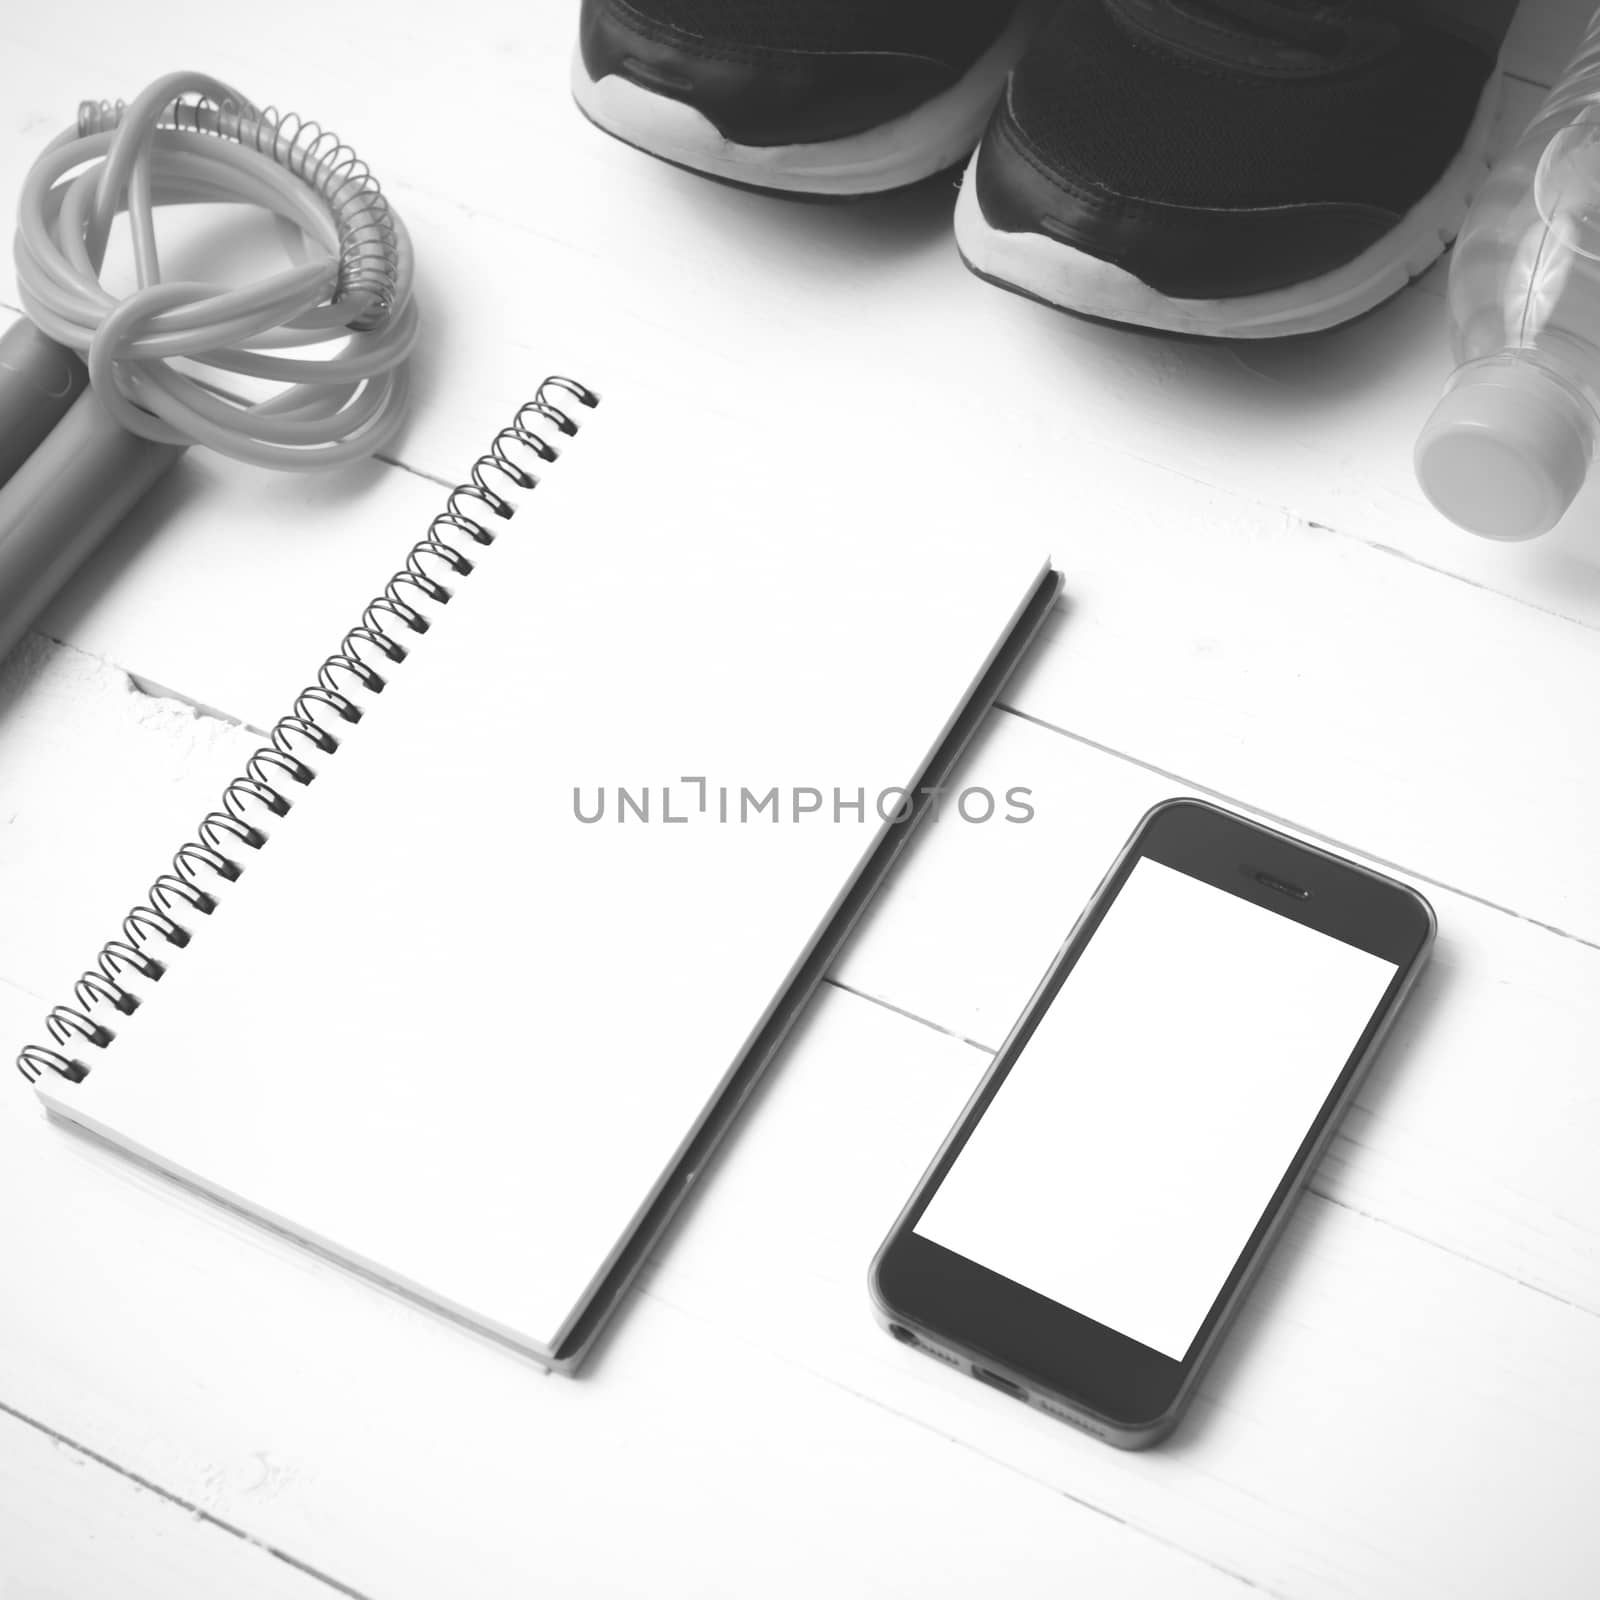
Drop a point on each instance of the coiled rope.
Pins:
(345, 299)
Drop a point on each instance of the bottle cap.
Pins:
(1505, 451)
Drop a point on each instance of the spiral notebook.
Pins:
(468, 972)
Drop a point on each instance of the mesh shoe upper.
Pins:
(949, 31)
(776, 72)
(1315, 103)
(1223, 147)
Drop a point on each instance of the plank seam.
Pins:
(1450, 1250)
(1312, 1186)
(1160, 464)
(1456, 577)
(65, 1442)
(151, 690)
(910, 1016)
(983, 1455)
(1296, 827)
(416, 472)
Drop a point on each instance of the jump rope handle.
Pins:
(70, 470)
(68, 473)
(39, 380)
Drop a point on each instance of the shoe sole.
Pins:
(1069, 279)
(936, 135)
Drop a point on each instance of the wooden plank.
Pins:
(230, 588)
(1331, 683)
(763, 1286)
(1307, 428)
(1327, 678)
(379, 1443)
(747, 1420)
(1443, 1144)
(1389, 1419)
(960, 939)
(74, 1528)
(525, 268)
(99, 784)
(748, 1378)
(760, 1291)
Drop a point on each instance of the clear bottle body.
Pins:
(1512, 441)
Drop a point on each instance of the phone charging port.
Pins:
(995, 1381)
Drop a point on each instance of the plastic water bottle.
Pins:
(1510, 444)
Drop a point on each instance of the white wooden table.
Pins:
(1258, 607)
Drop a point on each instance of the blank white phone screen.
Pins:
(1131, 1150)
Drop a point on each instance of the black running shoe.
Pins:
(833, 97)
(1237, 168)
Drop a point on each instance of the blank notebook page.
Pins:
(449, 1031)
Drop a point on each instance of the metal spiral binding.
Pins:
(369, 243)
(262, 792)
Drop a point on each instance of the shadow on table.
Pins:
(1399, 348)
(873, 229)
(193, 509)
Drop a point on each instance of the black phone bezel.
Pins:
(1047, 1348)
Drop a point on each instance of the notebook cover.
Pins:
(449, 1031)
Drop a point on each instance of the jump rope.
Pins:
(100, 396)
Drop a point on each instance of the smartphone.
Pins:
(1092, 1223)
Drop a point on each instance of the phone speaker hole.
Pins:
(907, 1337)
(1070, 1418)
